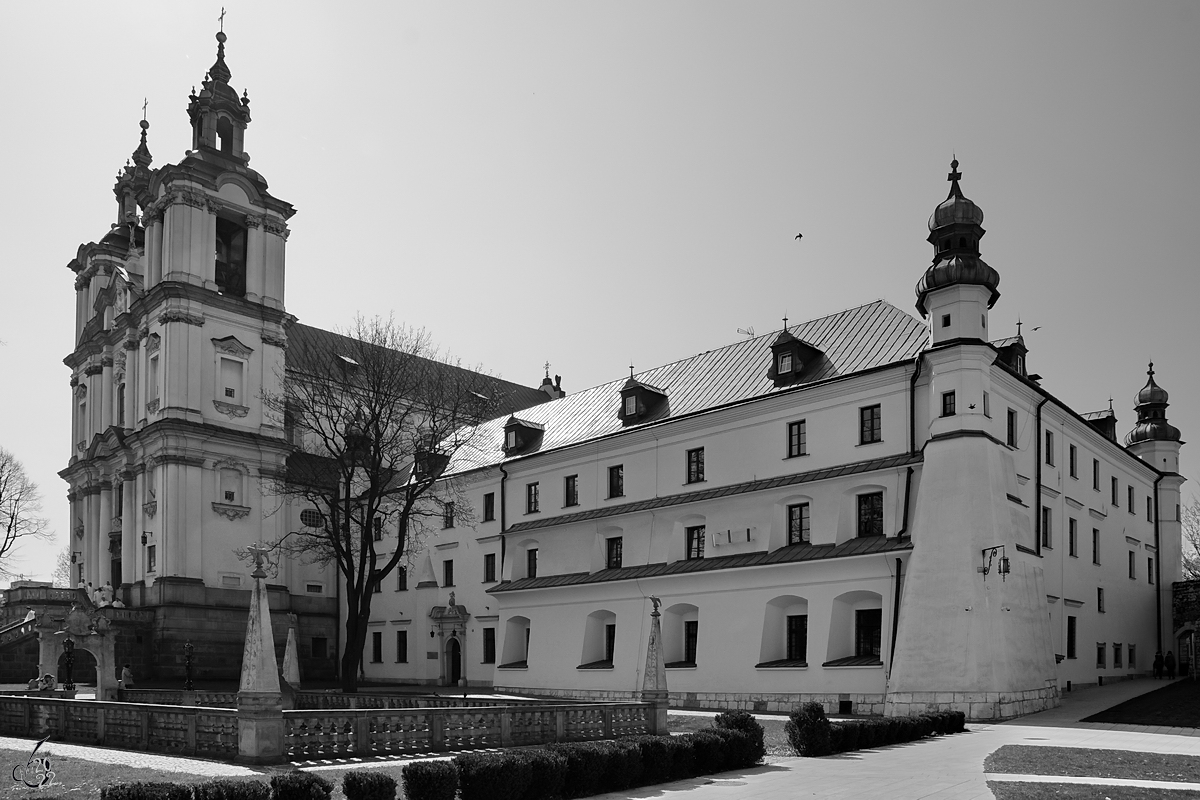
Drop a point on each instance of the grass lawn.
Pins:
(1015, 790)
(1021, 759)
(1175, 704)
(774, 737)
(82, 780)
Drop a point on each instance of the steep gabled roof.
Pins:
(851, 341)
(308, 349)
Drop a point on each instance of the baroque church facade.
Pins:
(873, 509)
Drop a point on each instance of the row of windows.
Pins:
(489, 571)
(1114, 485)
(1073, 543)
(489, 647)
(1102, 650)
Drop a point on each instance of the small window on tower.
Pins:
(785, 362)
(231, 258)
(631, 406)
(945, 320)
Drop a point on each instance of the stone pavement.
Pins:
(944, 767)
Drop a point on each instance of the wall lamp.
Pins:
(989, 559)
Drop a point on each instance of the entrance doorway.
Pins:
(83, 668)
(454, 661)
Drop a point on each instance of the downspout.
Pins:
(912, 409)
(503, 524)
(896, 609)
(1157, 568)
(1037, 481)
(912, 448)
(907, 498)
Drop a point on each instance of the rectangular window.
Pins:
(1149, 509)
(152, 379)
(489, 506)
(401, 578)
(691, 635)
(1150, 570)
(947, 404)
(377, 529)
(1050, 448)
(610, 641)
(448, 572)
(614, 547)
(401, 647)
(1132, 656)
(1073, 461)
(532, 501)
(1095, 545)
(695, 465)
(1046, 532)
(151, 558)
(868, 632)
(1071, 628)
(797, 438)
(785, 363)
(314, 588)
(231, 380)
(1101, 655)
(631, 405)
(1117, 652)
(489, 645)
(1129, 500)
(230, 267)
(870, 423)
(377, 586)
(448, 515)
(1099, 600)
(489, 568)
(1132, 566)
(376, 647)
(616, 480)
(121, 405)
(870, 514)
(1096, 474)
(695, 541)
(987, 405)
(797, 637)
(798, 524)
(1012, 428)
(571, 490)
(318, 646)
(531, 562)
(1114, 491)
(1073, 538)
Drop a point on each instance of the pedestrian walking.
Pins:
(1169, 661)
(1158, 664)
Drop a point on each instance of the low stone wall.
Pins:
(978, 706)
(754, 702)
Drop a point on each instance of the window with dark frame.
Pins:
(798, 524)
(489, 506)
(1129, 500)
(868, 632)
(377, 586)
(1113, 484)
(377, 647)
(1047, 533)
(797, 637)
(1096, 474)
(797, 438)
(1149, 509)
(610, 641)
(695, 541)
(448, 515)
(571, 490)
(1132, 566)
(531, 562)
(318, 646)
(691, 635)
(695, 465)
(987, 405)
(616, 480)
(614, 547)
(448, 572)
(230, 261)
(1073, 537)
(1012, 428)
(1095, 545)
(870, 421)
(401, 647)
(948, 404)
(402, 578)
(1071, 630)
(1101, 655)
(1050, 448)
(1100, 599)
(1149, 572)
(1116, 655)
(532, 499)
(1131, 662)
(1073, 461)
(489, 568)
(151, 558)
(870, 514)
(489, 645)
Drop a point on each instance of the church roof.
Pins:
(853, 341)
(309, 350)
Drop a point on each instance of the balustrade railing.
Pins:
(335, 699)
(180, 698)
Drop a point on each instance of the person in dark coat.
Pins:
(1158, 664)
(1170, 664)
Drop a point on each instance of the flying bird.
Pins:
(1036, 328)
(799, 235)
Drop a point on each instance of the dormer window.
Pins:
(789, 356)
(520, 435)
(785, 362)
(631, 406)
(639, 401)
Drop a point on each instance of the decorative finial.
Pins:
(631, 371)
(1110, 408)
(656, 602)
(785, 319)
(145, 105)
(221, 19)
(1150, 371)
(954, 175)
(1018, 326)
(258, 550)
(547, 370)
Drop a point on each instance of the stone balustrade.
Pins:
(178, 730)
(179, 697)
(336, 700)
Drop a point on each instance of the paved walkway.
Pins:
(944, 767)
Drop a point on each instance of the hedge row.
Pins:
(812, 734)
(357, 785)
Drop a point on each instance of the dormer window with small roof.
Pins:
(789, 356)
(639, 401)
(521, 435)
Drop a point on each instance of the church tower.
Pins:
(181, 333)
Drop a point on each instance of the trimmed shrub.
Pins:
(656, 757)
(493, 776)
(361, 784)
(225, 789)
(683, 757)
(808, 730)
(547, 774)
(710, 751)
(745, 722)
(585, 767)
(624, 767)
(958, 722)
(147, 790)
(300, 786)
(851, 735)
(430, 780)
(740, 749)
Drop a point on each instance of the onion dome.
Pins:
(955, 228)
(1151, 406)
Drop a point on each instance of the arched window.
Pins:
(856, 630)
(516, 643)
(599, 640)
(785, 633)
(681, 635)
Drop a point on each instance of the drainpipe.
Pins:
(1158, 569)
(907, 498)
(912, 405)
(895, 611)
(1037, 481)
(503, 523)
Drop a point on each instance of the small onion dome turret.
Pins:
(1151, 407)
(955, 228)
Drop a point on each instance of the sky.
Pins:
(599, 184)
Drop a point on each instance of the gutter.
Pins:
(1157, 568)
(912, 409)
(896, 610)
(1037, 481)
(503, 522)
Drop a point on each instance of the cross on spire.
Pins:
(547, 365)
(631, 370)
(145, 105)
(1018, 326)
(1150, 371)
(785, 319)
(221, 19)
(954, 175)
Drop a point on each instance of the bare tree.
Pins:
(20, 510)
(1190, 517)
(376, 414)
(61, 576)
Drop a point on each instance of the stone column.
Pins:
(91, 538)
(654, 677)
(255, 259)
(130, 514)
(104, 560)
(259, 700)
